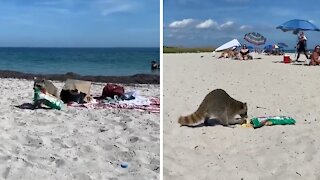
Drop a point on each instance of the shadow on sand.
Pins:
(300, 63)
(29, 106)
(208, 122)
(211, 122)
(277, 61)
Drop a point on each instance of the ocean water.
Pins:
(83, 61)
(290, 51)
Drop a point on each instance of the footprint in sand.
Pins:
(155, 165)
(125, 120)
(109, 147)
(6, 173)
(126, 156)
(34, 141)
(124, 126)
(19, 121)
(133, 139)
(60, 162)
(113, 178)
(58, 113)
(4, 159)
(68, 144)
(81, 176)
(39, 113)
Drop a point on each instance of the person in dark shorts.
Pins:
(302, 45)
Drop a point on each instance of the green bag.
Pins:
(272, 120)
(50, 100)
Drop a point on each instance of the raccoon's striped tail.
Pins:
(193, 119)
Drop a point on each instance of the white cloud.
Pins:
(181, 24)
(244, 27)
(116, 6)
(207, 24)
(116, 9)
(226, 25)
(312, 21)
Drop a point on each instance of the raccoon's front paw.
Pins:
(243, 121)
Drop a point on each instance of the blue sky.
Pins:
(198, 23)
(79, 23)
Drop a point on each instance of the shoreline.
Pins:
(133, 79)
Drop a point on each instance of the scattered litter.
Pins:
(257, 122)
(272, 120)
(124, 165)
(259, 107)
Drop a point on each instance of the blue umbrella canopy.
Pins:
(255, 38)
(250, 47)
(268, 47)
(282, 45)
(296, 25)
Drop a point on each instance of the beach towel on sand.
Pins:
(75, 89)
(153, 105)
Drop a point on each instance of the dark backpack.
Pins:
(110, 90)
(72, 96)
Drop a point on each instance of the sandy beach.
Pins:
(76, 143)
(216, 152)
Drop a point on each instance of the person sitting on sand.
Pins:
(223, 55)
(230, 53)
(245, 53)
(154, 65)
(315, 56)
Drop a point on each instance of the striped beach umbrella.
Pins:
(255, 38)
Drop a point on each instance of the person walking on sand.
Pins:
(302, 45)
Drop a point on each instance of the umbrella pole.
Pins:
(255, 47)
(296, 52)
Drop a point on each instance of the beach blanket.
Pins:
(139, 103)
